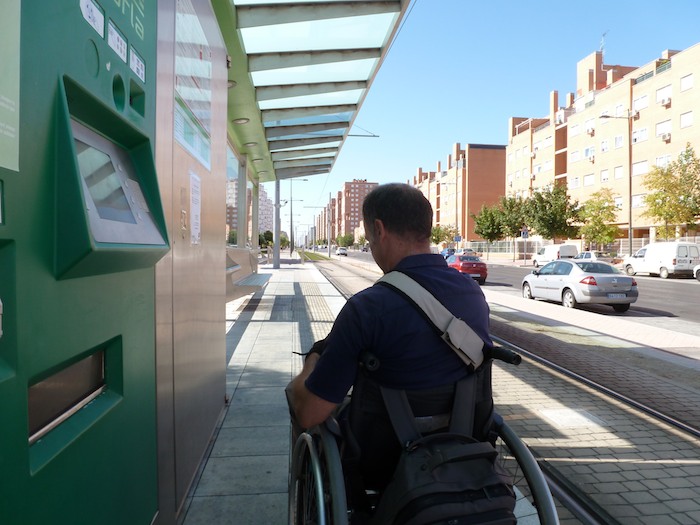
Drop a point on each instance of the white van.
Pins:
(664, 259)
(553, 252)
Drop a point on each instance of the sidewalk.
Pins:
(244, 480)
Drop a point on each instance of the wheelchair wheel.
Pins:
(317, 490)
(534, 497)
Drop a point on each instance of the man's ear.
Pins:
(379, 229)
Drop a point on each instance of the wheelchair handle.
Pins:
(503, 354)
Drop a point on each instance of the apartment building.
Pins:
(621, 122)
(472, 177)
(325, 221)
(349, 203)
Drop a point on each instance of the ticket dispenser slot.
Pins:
(109, 214)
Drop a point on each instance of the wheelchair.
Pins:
(317, 493)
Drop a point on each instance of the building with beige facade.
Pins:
(621, 122)
(472, 177)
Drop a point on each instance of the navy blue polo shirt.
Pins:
(379, 320)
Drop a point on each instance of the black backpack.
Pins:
(444, 477)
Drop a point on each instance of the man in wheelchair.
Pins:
(381, 339)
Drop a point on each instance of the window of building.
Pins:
(589, 180)
(575, 156)
(548, 164)
(548, 141)
(640, 135)
(687, 82)
(618, 141)
(640, 168)
(640, 103)
(589, 152)
(517, 154)
(638, 200)
(686, 119)
(663, 161)
(604, 113)
(662, 93)
(663, 127)
(604, 175)
(575, 182)
(619, 110)
(574, 130)
(510, 157)
(618, 203)
(617, 172)
(604, 146)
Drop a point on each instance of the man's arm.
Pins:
(309, 409)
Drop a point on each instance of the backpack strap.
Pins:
(401, 415)
(455, 332)
(404, 422)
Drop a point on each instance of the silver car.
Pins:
(572, 282)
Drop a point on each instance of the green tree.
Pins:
(284, 241)
(674, 196)
(345, 240)
(268, 238)
(551, 213)
(597, 215)
(232, 237)
(488, 225)
(361, 240)
(440, 234)
(512, 214)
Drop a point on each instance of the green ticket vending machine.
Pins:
(81, 228)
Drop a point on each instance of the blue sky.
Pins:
(459, 69)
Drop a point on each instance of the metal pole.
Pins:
(276, 245)
(630, 119)
(329, 226)
(291, 220)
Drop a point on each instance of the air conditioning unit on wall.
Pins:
(666, 137)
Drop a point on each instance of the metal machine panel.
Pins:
(191, 279)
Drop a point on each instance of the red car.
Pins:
(469, 264)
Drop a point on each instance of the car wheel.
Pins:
(697, 275)
(629, 270)
(620, 308)
(535, 264)
(663, 272)
(527, 292)
(568, 300)
(482, 281)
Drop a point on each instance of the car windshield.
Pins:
(596, 267)
(469, 258)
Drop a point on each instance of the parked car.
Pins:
(594, 255)
(470, 265)
(341, 250)
(696, 272)
(553, 252)
(447, 252)
(664, 259)
(572, 282)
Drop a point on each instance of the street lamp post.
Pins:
(631, 116)
(291, 224)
